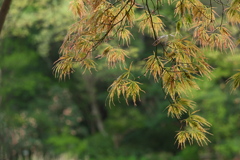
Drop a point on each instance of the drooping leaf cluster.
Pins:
(175, 63)
(235, 80)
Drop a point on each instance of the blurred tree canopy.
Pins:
(44, 118)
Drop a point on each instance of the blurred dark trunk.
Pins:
(3, 12)
(91, 89)
(0, 87)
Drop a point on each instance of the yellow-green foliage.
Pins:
(235, 79)
(176, 61)
(126, 87)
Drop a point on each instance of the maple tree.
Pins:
(176, 62)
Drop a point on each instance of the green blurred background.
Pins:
(42, 118)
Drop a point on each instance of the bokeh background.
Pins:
(42, 118)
